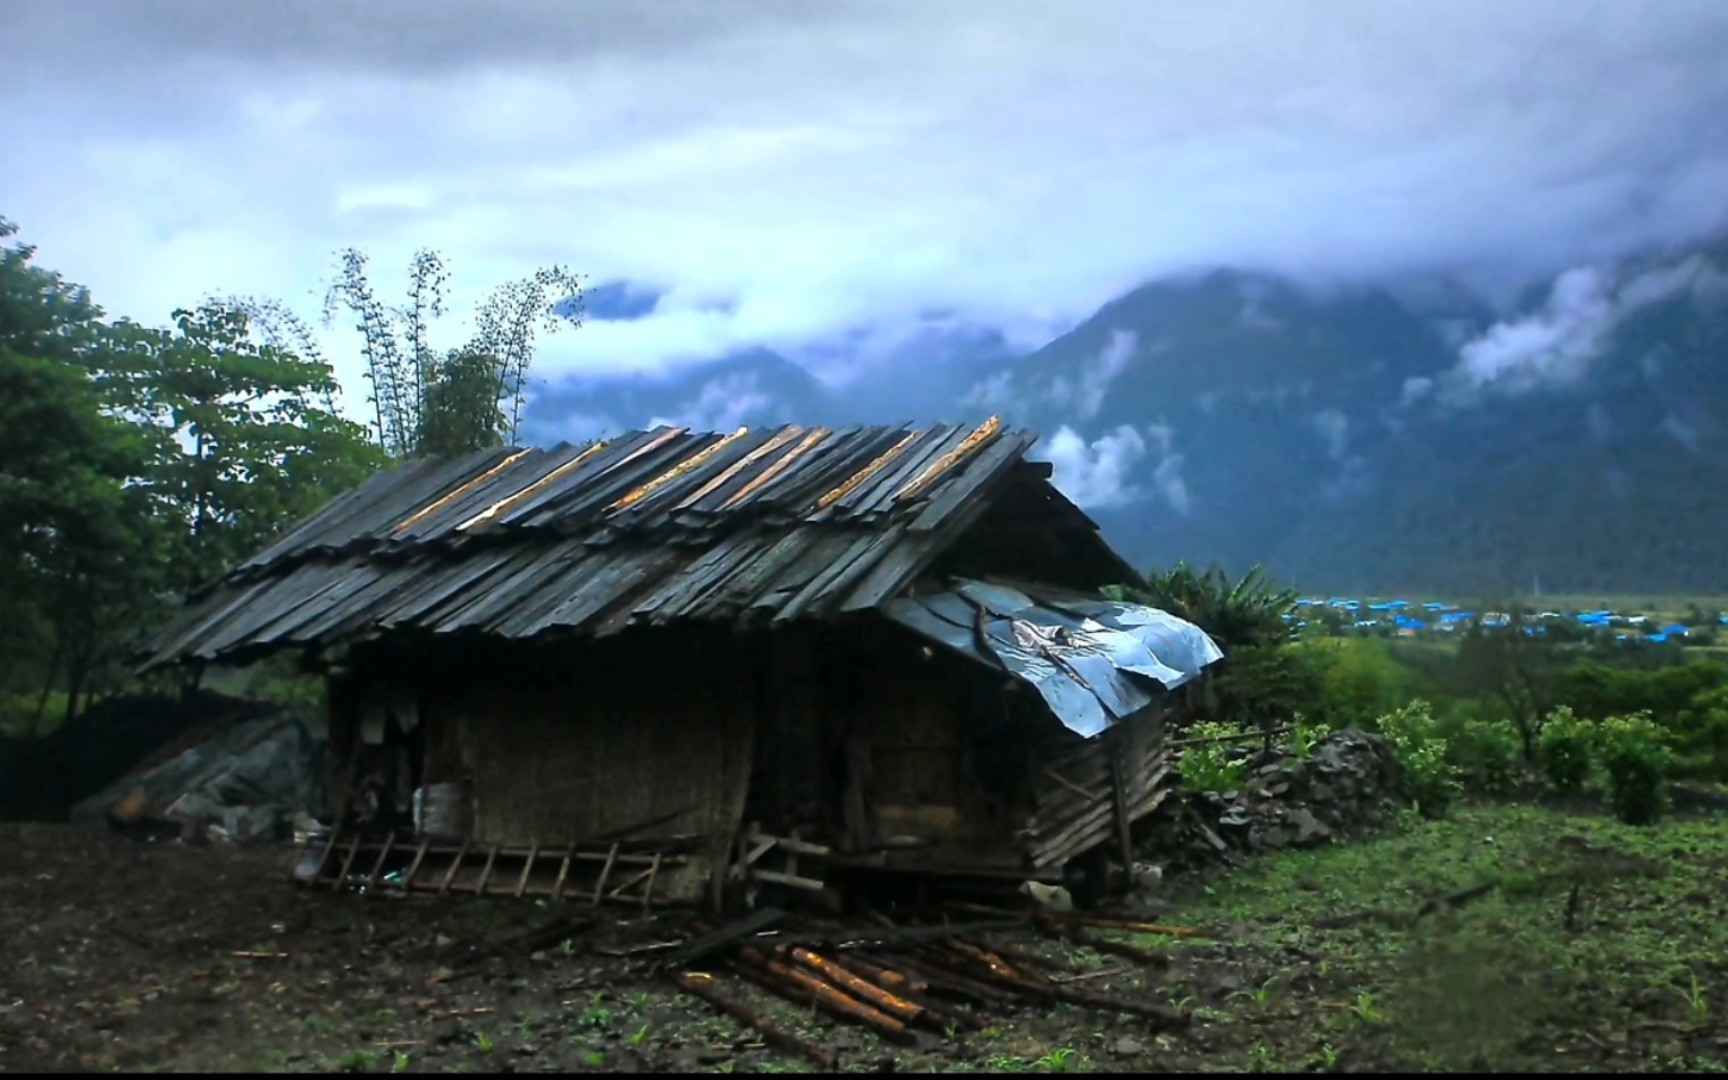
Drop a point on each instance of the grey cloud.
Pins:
(393, 36)
(819, 167)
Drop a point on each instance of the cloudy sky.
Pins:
(780, 171)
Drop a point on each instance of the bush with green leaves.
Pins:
(1219, 766)
(1566, 748)
(1305, 735)
(1700, 736)
(1431, 780)
(1488, 753)
(1636, 761)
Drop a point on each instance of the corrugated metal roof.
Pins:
(1094, 662)
(649, 527)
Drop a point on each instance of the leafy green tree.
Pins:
(242, 440)
(79, 548)
(1517, 670)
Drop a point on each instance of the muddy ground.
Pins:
(117, 954)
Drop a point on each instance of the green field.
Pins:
(1591, 945)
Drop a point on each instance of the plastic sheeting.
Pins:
(254, 780)
(1094, 662)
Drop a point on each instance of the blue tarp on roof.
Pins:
(1094, 662)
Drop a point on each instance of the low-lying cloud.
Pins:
(790, 172)
(1576, 324)
(1097, 475)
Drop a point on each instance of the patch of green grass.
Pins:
(1590, 919)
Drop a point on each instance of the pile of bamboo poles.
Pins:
(912, 992)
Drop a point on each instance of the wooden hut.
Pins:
(699, 657)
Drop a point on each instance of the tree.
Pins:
(1514, 668)
(242, 439)
(79, 548)
(463, 399)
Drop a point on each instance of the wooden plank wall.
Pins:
(1075, 801)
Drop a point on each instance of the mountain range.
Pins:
(1401, 436)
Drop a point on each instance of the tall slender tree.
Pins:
(463, 399)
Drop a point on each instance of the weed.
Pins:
(597, 1016)
(483, 1042)
(1057, 1060)
(400, 1062)
(356, 1061)
(317, 1022)
(567, 946)
(1697, 1001)
(1365, 1010)
(1261, 1059)
(597, 1058)
(1261, 996)
(1218, 766)
(1324, 1057)
(1005, 1063)
(639, 1035)
(384, 1016)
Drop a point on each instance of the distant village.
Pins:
(1405, 618)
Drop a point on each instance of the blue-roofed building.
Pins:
(1658, 638)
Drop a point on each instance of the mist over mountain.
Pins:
(1399, 436)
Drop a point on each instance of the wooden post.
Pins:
(1113, 740)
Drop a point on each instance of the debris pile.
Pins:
(1350, 782)
(909, 984)
(249, 781)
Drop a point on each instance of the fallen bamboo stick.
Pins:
(941, 977)
(997, 966)
(700, 984)
(909, 989)
(827, 997)
(859, 987)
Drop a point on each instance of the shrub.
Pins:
(1700, 736)
(1635, 764)
(1305, 735)
(1214, 766)
(1431, 780)
(1488, 753)
(1565, 749)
